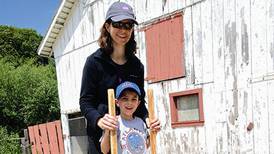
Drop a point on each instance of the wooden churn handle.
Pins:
(112, 112)
(151, 117)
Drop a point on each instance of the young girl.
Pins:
(131, 132)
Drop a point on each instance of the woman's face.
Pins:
(120, 32)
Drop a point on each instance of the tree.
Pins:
(9, 142)
(28, 85)
(28, 94)
(17, 44)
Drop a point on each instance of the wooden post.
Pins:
(25, 143)
(111, 110)
(151, 117)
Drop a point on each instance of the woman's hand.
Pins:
(154, 125)
(108, 122)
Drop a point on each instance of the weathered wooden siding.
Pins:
(229, 53)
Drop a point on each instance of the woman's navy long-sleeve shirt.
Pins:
(99, 74)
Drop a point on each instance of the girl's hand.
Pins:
(154, 125)
(108, 122)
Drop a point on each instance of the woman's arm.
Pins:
(88, 96)
(105, 142)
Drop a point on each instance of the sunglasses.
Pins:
(123, 25)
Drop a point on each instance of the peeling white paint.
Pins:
(229, 53)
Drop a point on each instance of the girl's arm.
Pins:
(105, 145)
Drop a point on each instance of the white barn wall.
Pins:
(243, 65)
(270, 88)
(229, 53)
(270, 35)
(80, 42)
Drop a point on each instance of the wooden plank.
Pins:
(149, 55)
(53, 142)
(217, 141)
(44, 138)
(243, 45)
(230, 45)
(202, 45)
(176, 59)
(112, 112)
(141, 53)
(140, 11)
(32, 139)
(233, 120)
(260, 114)
(154, 9)
(161, 63)
(258, 38)
(151, 118)
(170, 6)
(259, 69)
(99, 19)
(188, 46)
(270, 36)
(270, 86)
(153, 56)
(165, 6)
(245, 108)
(197, 43)
(218, 46)
(207, 53)
(230, 69)
(60, 136)
(243, 67)
(210, 103)
(37, 139)
(66, 133)
(82, 31)
(89, 22)
(222, 138)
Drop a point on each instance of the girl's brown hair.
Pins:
(105, 42)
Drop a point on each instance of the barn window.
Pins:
(164, 49)
(186, 108)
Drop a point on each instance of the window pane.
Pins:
(188, 107)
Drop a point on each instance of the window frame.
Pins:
(174, 111)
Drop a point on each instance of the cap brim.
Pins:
(123, 17)
(128, 88)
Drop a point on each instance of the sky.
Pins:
(34, 14)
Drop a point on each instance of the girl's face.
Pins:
(128, 104)
(120, 32)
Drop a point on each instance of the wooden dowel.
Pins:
(151, 117)
(111, 110)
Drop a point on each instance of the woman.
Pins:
(113, 63)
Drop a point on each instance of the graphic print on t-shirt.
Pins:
(133, 141)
